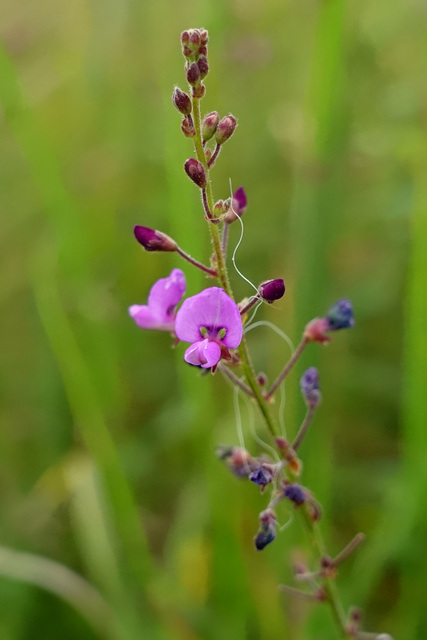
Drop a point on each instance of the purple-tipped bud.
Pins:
(261, 476)
(209, 125)
(186, 51)
(203, 65)
(198, 91)
(267, 530)
(181, 101)
(193, 74)
(187, 127)
(185, 37)
(196, 172)
(237, 206)
(272, 290)
(153, 240)
(295, 493)
(225, 129)
(204, 36)
(340, 315)
(309, 385)
(262, 379)
(203, 50)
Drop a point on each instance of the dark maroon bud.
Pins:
(262, 379)
(203, 50)
(203, 65)
(153, 240)
(193, 74)
(187, 127)
(181, 101)
(272, 290)
(225, 129)
(187, 52)
(209, 125)
(204, 36)
(196, 172)
(198, 91)
(185, 37)
(267, 529)
(195, 39)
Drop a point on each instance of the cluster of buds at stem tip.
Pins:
(194, 48)
(194, 43)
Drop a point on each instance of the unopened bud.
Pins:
(262, 379)
(309, 385)
(340, 315)
(193, 74)
(262, 475)
(194, 39)
(196, 172)
(238, 460)
(295, 493)
(203, 65)
(153, 240)
(185, 37)
(187, 127)
(208, 154)
(198, 91)
(272, 290)
(204, 36)
(220, 207)
(209, 125)
(267, 530)
(225, 129)
(203, 50)
(181, 101)
(237, 206)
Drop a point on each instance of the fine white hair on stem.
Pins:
(239, 242)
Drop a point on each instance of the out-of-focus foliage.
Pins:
(330, 98)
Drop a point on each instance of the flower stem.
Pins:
(235, 380)
(196, 263)
(282, 375)
(303, 428)
(214, 156)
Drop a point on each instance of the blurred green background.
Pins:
(103, 427)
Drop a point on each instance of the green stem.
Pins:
(247, 368)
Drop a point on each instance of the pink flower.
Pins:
(163, 298)
(211, 321)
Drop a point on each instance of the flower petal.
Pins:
(213, 309)
(144, 318)
(205, 354)
(165, 295)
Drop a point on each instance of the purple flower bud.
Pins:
(340, 315)
(193, 74)
(153, 240)
(261, 476)
(181, 101)
(203, 65)
(225, 129)
(204, 36)
(209, 125)
(295, 493)
(186, 51)
(194, 39)
(185, 37)
(272, 290)
(196, 172)
(267, 530)
(309, 385)
(203, 50)
(237, 206)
